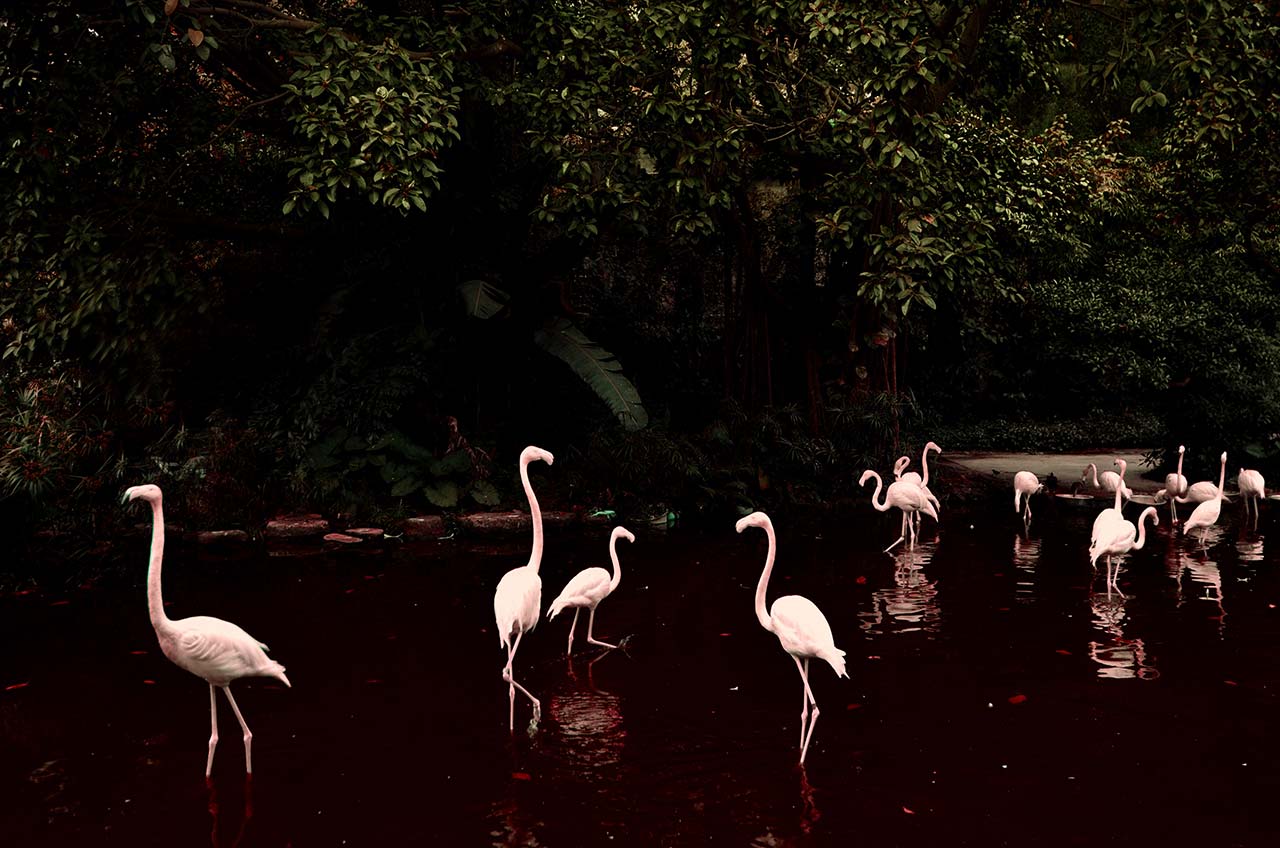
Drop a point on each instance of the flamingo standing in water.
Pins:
(1206, 514)
(900, 473)
(1175, 486)
(907, 497)
(1117, 536)
(1110, 482)
(799, 625)
(1025, 484)
(518, 601)
(1252, 488)
(210, 648)
(589, 587)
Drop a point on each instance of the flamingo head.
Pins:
(933, 446)
(1122, 465)
(1224, 457)
(755, 519)
(622, 533)
(150, 493)
(1182, 449)
(1084, 475)
(532, 454)
(866, 475)
(901, 465)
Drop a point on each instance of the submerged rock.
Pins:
(365, 532)
(296, 527)
(424, 527)
(342, 539)
(215, 537)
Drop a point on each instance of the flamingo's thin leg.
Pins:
(213, 733)
(804, 706)
(510, 678)
(813, 716)
(901, 539)
(572, 627)
(591, 621)
(248, 734)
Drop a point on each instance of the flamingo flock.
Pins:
(220, 652)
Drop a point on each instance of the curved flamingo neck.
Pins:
(924, 461)
(1094, 468)
(155, 601)
(1181, 454)
(617, 566)
(535, 513)
(1142, 527)
(880, 507)
(1222, 476)
(762, 611)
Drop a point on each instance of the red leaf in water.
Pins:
(726, 634)
(908, 811)
(873, 656)
(60, 604)
(1065, 653)
(370, 577)
(521, 775)
(23, 592)
(998, 574)
(862, 580)
(374, 680)
(1017, 699)
(853, 707)
(137, 653)
(1231, 683)
(1002, 609)
(16, 686)
(149, 682)
(349, 592)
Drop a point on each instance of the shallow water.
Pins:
(995, 697)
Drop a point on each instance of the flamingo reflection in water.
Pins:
(589, 721)
(1118, 658)
(1026, 556)
(910, 605)
(217, 813)
(1206, 573)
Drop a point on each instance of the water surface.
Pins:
(998, 696)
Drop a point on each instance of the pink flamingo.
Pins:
(1252, 488)
(1111, 481)
(1025, 484)
(210, 648)
(518, 601)
(799, 625)
(589, 587)
(1118, 536)
(907, 497)
(1175, 485)
(1206, 514)
(900, 473)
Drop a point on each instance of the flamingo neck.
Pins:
(1093, 468)
(1222, 477)
(535, 556)
(1180, 455)
(880, 507)
(1142, 527)
(617, 566)
(155, 601)
(924, 461)
(762, 611)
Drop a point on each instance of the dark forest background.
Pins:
(355, 255)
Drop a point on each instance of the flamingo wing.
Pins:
(587, 588)
(218, 651)
(517, 603)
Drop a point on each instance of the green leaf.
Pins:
(597, 366)
(443, 494)
(482, 299)
(457, 462)
(485, 493)
(405, 486)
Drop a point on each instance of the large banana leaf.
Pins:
(482, 299)
(597, 366)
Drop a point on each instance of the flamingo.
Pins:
(905, 496)
(1025, 484)
(210, 648)
(901, 474)
(1111, 481)
(589, 587)
(1116, 536)
(1175, 485)
(1206, 514)
(799, 625)
(1252, 487)
(518, 601)
(1201, 492)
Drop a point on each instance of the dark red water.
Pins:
(994, 699)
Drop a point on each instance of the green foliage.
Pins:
(597, 367)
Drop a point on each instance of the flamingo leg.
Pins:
(248, 734)
(804, 702)
(591, 621)
(813, 716)
(572, 627)
(901, 539)
(213, 733)
(510, 678)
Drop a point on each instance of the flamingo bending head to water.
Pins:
(1206, 514)
(799, 625)
(1025, 484)
(907, 497)
(1253, 487)
(210, 648)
